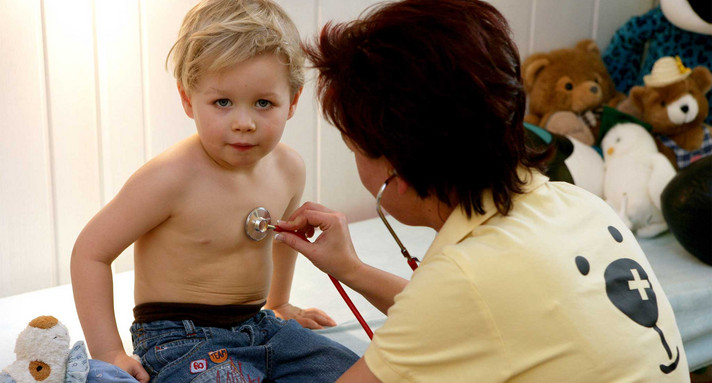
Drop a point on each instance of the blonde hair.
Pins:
(217, 34)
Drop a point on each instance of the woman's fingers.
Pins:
(295, 242)
(309, 216)
(306, 206)
(332, 251)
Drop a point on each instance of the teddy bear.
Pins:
(635, 175)
(675, 27)
(44, 355)
(673, 102)
(566, 88)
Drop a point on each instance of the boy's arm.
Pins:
(284, 259)
(134, 211)
(92, 285)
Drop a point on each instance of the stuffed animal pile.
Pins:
(43, 355)
(571, 95)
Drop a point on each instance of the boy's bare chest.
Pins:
(214, 217)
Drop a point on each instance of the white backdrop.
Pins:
(85, 100)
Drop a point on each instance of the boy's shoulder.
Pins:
(177, 162)
(290, 166)
(288, 158)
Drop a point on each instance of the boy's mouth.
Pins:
(242, 146)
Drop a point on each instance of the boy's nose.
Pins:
(243, 123)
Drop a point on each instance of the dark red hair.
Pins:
(434, 87)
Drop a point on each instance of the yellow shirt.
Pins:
(556, 291)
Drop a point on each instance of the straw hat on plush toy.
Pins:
(667, 70)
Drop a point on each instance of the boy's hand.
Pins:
(132, 366)
(311, 318)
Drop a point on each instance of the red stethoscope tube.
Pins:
(340, 289)
(257, 224)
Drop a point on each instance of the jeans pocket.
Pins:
(170, 351)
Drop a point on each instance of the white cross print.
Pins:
(639, 284)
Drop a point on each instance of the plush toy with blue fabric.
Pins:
(43, 355)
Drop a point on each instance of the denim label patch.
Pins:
(199, 365)
(218, 356)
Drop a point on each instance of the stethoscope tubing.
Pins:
(339, 288)
(255, 230)
(412, 261)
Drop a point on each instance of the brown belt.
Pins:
(224, 316)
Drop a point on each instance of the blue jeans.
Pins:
(102, 372)
(261, 349)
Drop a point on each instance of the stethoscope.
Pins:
(258, 224)
(412, 261)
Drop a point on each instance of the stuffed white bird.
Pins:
(635, 175)
(43, 355)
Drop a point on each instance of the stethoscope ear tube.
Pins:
(412, 261)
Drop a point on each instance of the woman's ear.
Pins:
(401, 185)
(293, 104)
(185, 100)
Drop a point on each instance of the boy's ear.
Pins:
(293, 104)
(185, 100)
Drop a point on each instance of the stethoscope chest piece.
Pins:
(257, 224)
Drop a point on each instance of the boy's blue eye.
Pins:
(263, 103)
(223, 103)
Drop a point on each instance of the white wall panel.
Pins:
(340, 186)
(301, 132)
(121, 115)
(561, 24)
(27, 253)
(341, 11)
(166, 122)
(518, 14)
(73, 120)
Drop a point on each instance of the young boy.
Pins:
(200, 282)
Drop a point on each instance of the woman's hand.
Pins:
(311, 318)
(332, 251)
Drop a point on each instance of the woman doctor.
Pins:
(515, 287)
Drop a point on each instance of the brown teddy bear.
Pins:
(673, 102)
(566, 90)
